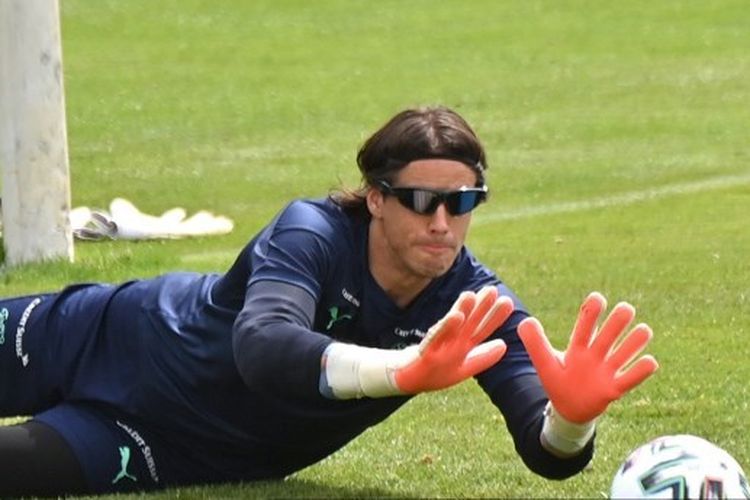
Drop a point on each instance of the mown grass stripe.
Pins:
(628, 198)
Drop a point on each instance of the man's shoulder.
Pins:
(317, 221)
(312, 212)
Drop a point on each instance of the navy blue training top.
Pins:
(316, 247)
(227, 367)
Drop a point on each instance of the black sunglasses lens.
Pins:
(461, 202)
(426, 202)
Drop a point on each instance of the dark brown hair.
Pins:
(413, 134)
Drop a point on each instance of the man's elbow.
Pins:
(555, 468)
(247, 352)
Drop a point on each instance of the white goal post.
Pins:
(33, 137)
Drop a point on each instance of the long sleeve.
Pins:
(276, 284)
(522, 401)
(514, 387)
(274, 347)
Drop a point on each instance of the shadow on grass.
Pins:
(301, 488)
(289, 488)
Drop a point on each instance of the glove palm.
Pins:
(452, 350)
(593, 371)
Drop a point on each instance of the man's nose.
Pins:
(439, 219)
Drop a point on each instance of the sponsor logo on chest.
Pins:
(336, 314)
(412, 332)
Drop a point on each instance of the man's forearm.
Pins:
(273, 349)
(522, 402)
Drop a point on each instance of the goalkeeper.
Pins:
(331, 318)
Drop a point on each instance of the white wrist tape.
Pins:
(562, 437)
(351, 371)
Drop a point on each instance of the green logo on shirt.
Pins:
(124, 461)
(334, 312)
(3, 318)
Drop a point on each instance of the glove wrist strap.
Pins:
(351, 371)
(562, 437)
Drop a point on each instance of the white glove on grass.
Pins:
(124, 221)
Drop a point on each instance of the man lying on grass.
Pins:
(331, 318)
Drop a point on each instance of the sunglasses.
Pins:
(426, 201)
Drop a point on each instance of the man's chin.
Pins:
(434, 270)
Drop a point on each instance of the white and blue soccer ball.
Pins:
(680, 466)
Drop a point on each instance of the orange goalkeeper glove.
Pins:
(594, 370)
(451, 352)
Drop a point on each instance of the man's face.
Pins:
(416, 245)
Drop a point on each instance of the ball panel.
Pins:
(680, 466)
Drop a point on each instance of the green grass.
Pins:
(239, 106)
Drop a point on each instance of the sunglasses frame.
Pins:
(451, 199)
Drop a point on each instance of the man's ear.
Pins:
(375, 203)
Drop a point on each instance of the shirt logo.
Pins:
(145, 451)
(416, 332)
(124, 461)
(349, 297)
(334, 312)
(21, 330)
(3, 318)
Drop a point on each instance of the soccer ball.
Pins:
(680, 466)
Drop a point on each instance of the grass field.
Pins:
(618, 146)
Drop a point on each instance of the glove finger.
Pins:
(585, 326)
(541, 352)
(482, 357)
(486, 299)
(637, 373)
(633, 344)
(495, 317)
(173, 215)
(463, 307)
(441, 332)
(436, 336)
(120, 207)
(617, 321)
(465, 303)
